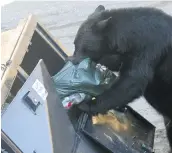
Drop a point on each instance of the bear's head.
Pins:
(91, 38)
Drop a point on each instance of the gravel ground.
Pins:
(62, 19)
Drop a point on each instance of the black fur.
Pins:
(138, 42)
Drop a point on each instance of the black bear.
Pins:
(138, 43)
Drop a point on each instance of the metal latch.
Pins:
(4, 66)
(31, 102)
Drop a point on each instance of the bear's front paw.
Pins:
(100, 106)
(103, 104)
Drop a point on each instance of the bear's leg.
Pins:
(154, 98)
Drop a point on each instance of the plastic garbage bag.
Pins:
(75, 83)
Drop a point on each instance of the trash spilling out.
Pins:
(77, 83)
(121, 132)
(118, 121)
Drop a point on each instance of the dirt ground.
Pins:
(62, 19)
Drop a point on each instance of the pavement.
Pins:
(62, 19)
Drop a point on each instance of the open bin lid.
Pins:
(15, 45)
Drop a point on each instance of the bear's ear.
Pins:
(100, 8)
(101, 25)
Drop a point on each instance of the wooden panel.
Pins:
(8, 43)
(17, 50)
